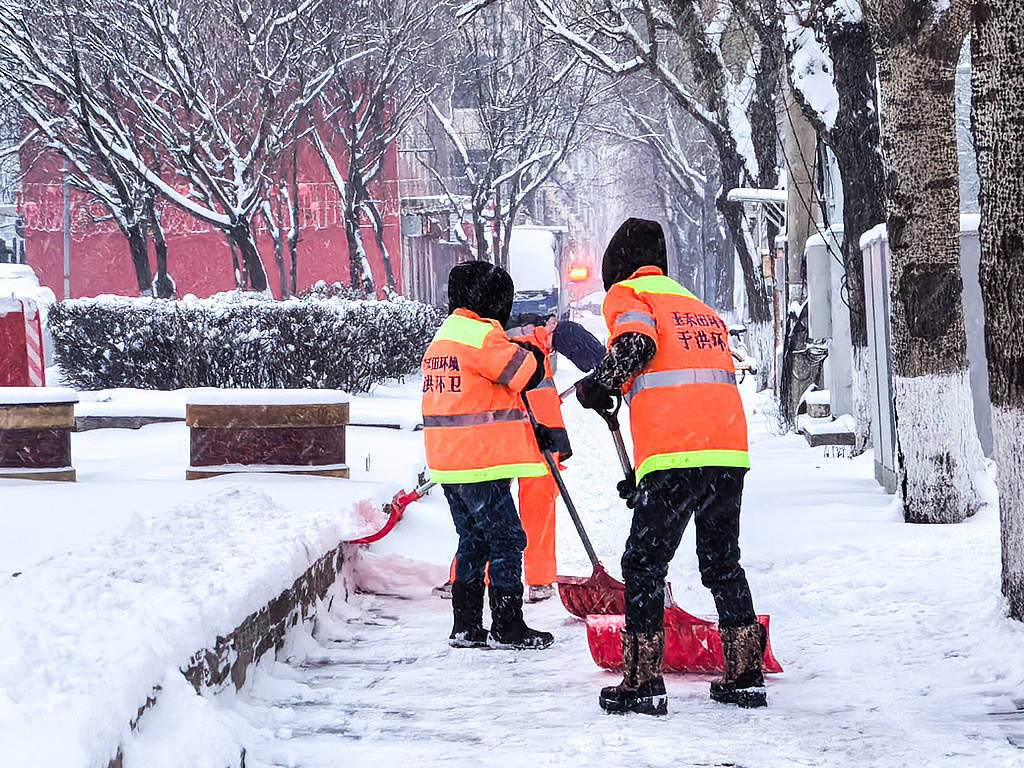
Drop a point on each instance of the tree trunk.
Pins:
(998, 113)
(241, 235)
(750, 262)
(856, 144)
(163, 285)
(938, 447)
(801, 154)
(294, 220)
(138, 246)
(378, 231)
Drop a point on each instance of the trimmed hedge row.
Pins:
(239, 340)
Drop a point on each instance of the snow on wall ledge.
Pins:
(88, 637)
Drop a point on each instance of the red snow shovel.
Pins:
(599, 592)
(395, 510)
(692, 644)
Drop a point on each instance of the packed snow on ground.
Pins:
(89, 632)
(894, 639)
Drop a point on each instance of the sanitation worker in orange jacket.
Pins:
(478, 437)
(669, 357)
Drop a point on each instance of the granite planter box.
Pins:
(294, 431)
(35, 433)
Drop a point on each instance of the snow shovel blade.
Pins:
(692, 644)
(598, 593)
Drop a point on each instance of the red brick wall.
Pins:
(199, 259)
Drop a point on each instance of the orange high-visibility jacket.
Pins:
(543, 399)
(684, 407)
(474, 423)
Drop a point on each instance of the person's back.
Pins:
(668, 355)
(685, 407)
(478, 437)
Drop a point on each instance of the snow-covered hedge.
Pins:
(238, 340)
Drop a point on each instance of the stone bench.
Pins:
(35, 433)
(292, 431)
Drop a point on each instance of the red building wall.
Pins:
(199, 258)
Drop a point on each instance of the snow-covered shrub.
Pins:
(233, 340)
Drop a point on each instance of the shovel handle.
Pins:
(611, 418)
(553, 467)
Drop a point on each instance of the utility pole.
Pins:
(67, 231)
(801, 152)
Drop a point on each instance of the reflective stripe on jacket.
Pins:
(474, 424)
(685, 408)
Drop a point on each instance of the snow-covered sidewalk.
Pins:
(896, 647)
(110, 584)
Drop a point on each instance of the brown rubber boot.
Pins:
(743, 683)
(642, 689)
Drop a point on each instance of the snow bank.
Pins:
(88, 634)
(393, 404)
(36, 395)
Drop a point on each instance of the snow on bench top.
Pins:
(390, 404)
(89, 632)
(37, 395)
(817, 397)
(266, 397)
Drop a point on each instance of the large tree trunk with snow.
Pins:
(856, 144)
(938, 447)
(138, 246)
(240, 234)
(732, 213)
(998, 113)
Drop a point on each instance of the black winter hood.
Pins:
(482, 288)
(637, 243)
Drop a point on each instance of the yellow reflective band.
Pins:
(482, 475)
(464, 330)
(691, 460)
(657, 284)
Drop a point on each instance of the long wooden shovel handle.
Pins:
(553, 467)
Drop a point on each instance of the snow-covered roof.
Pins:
(532, 261)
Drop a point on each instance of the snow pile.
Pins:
(237, 340)
(20, 282)
(88, 634)
(810, 65)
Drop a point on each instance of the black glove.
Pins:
(538, 357)
(591, 394)
(627, 490)
(545, 438)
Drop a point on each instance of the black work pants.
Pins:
(665, 501)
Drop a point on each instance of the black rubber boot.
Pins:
(468, 608)
(642, 689)
(508, 629)
(743, 683)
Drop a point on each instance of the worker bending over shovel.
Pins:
(669, 357)
(478, 437)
